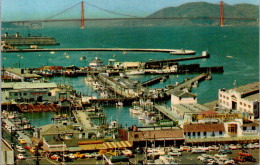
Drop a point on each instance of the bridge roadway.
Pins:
(174, 51)
(187, 83)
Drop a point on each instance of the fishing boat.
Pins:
(135, 108)
(152, 120)
(120, 104)
(143, 116)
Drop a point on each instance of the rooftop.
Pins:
(5, 146)
(190, 108)
(254, 97)
(27, 85)
(209, 127)
(183, 94)
(17, 71)
(54, 129)
(248, 88)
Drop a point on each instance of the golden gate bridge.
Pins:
(126, 16)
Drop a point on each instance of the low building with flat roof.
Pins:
(22, 74)
(244, 98)
(153, 135)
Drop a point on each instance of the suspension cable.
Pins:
(63, 11)
(109, 10)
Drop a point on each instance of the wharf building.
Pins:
(24, 95)
(204, 125)
(18, 40)
(243, 99)
(20, 75)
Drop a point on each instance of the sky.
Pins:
(41, 9)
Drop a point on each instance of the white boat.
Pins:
(143, 116)
(135, 72)
(150, 121)
(135, 108)
(137, 111)
(119, 104)
(52, 52)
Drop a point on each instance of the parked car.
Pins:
(225, 151)
(21, 150)
(54, 157)
(256, 145)
(239, 159)
(185, 148)
(250, 159)
(244, 153)
(33, 150)
(213, 147)
(79, 155)
(22, 141)
(18, 146)
(244, 146)
(71, 156)
(251, 146)
(232, 147)
(27, 148)
(21, 157)
(174, 153)
(239, 146)
(87, 155)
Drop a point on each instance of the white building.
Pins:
(243, 98)
(182, 97)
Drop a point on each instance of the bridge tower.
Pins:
(82, 15)
(221, 14)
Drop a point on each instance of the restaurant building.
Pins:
(243, 98)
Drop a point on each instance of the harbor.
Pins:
(125, 93)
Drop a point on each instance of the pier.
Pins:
(154, 80)
(176, 51)
(167, 112)
(187, 84)
(161, 62)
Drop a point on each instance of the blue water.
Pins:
(239, 42)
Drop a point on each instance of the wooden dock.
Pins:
(154, 80)
(187, 84)
(176, 51)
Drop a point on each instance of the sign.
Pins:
(38, 93)
(219, 116)
(166, 123)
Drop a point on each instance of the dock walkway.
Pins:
(154, 80)
(187, 83)
(83, 119)
(167, 112)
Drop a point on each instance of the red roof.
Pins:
(209, 127)
(208, 112)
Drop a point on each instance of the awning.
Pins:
(120, 144)
(221, 139)
(92, 147)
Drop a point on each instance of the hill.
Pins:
(204, 9)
